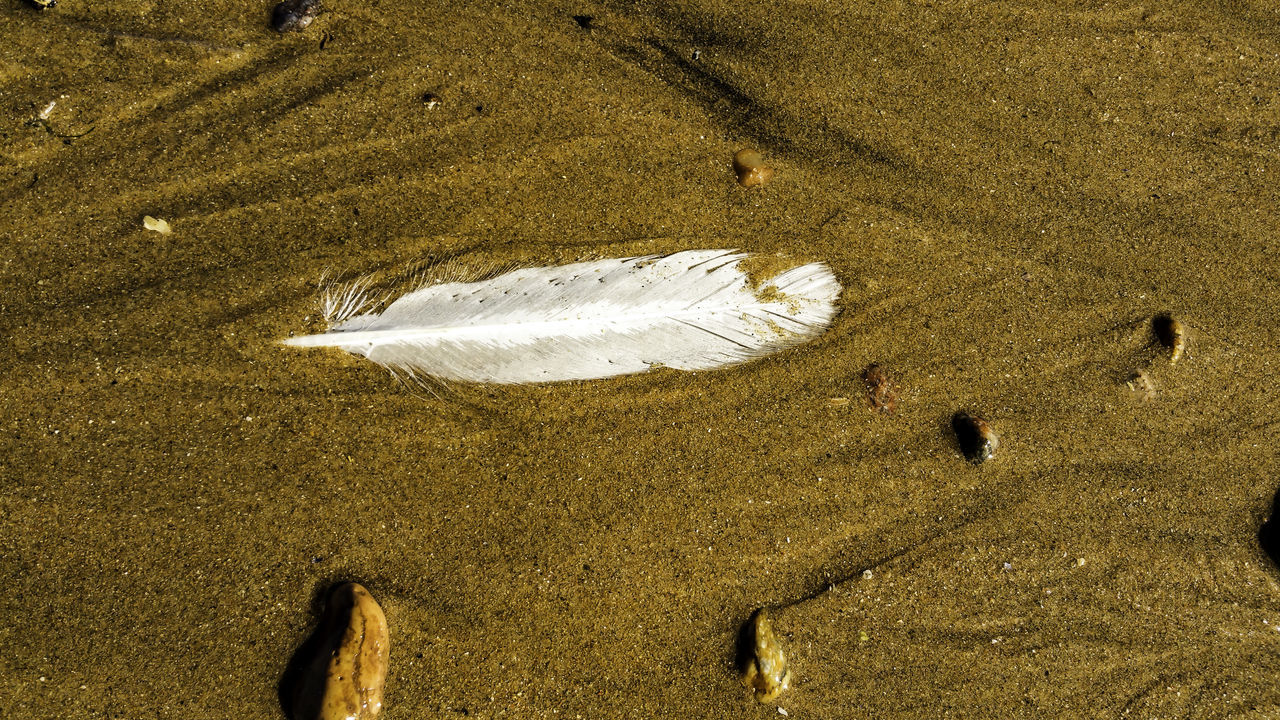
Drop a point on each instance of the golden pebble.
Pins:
(1171, 334)
(977, 440)
(750, 168)
(837, 402)
(764, 667)
(345, 678)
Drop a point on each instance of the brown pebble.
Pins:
(764, 665)
(881, 392)
(977, 440)
(750, 168)
(1171, 334)
(345, 678)
(294, 15)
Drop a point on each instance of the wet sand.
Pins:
(1008, 194)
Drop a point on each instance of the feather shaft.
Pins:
(691, 310)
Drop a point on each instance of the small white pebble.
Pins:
(1008, 566)
(782, 712)
(156, 225)
(867, 574)
(1080, 562)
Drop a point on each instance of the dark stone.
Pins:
(294, 15)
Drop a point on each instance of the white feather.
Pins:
(692, 310)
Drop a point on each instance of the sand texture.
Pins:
(1009, 192)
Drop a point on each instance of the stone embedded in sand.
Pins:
(294, 15)
(977, 440)
(344, 680)
(1171, 334)
(1141, 385)
(764, 668)
(881, 391)
(750, 167)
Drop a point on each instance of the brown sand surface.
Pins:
(1008, 191)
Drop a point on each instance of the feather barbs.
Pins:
(691, 310)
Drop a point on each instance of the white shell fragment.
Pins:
(764, 669)
(156, 225)
(1141, 385)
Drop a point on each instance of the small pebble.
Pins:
(881, 392)
(750, 168)
(977, 440)
(156, 225)
(765, 669)
(345, 678)
(1171, 334)
(431, 100)
(294, 15)
(1141, 385)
